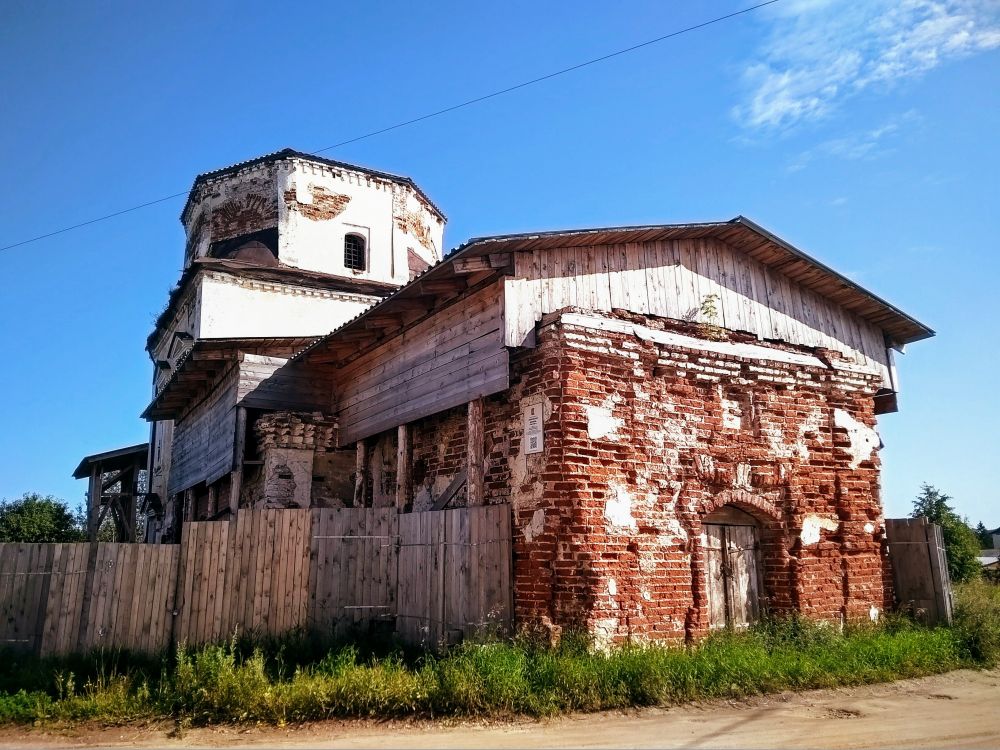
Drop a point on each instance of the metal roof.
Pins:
(290, 153)
(113, 460)
(740, 233)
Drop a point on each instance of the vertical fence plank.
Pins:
(441, 574)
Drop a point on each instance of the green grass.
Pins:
(297, 679)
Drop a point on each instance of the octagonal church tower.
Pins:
(280, 249)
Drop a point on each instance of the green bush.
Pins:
(977, 620)
(34, 518)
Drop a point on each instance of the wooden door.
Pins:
(733, 573)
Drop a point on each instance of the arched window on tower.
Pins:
(354, 252)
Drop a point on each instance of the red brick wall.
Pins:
(643, 439)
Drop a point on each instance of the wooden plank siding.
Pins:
(672, 278)
(204, 438)
(266, 383)
(449, 359)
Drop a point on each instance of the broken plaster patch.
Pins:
(869, 528)
(603, 631)
(618, 509)
(535, 526)
(864, 439)
(812, 524)
(601, 423)
(612, 587)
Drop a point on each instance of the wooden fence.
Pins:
(920, 568)
(434, 577)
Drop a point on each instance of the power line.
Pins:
(428, 116)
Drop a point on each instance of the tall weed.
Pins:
(298, 679)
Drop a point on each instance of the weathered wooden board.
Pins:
(449, 359)
(674, 279)
(204, 438)
(436, 576)
(919, 568)
(267, 383)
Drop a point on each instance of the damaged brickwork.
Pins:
(644, 439)
(301, 467)
(411, 221)
(245, 207)
(325, 203)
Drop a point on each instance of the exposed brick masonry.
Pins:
(643, 440)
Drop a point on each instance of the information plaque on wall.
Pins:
(533, 442)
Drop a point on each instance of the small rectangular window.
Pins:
(354, 252)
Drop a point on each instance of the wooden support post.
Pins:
(129, 485)
(239, 455)
(474, 490)
(213, 500)
(360, 474)
(189, 509)
(93, 502)
(404, 475)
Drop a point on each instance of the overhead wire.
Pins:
(421, 118)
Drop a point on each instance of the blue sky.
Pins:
(864, 133)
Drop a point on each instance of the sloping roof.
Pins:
(201, 365)
(740, 233)
(280, 274)
(112, 460)
(290, 153)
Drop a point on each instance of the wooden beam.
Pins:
(404, 475)
(239, 454)
(413, 304)
(474, 453)
(490, 262)
(439, 286)
(94, 502)
(501, 261)
(383, 321)
(360, 472)
(189, 505)
(115, 477)
(471, 265)
(457, 483)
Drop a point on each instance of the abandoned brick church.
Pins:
(681, 418)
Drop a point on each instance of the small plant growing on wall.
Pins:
(708, 312)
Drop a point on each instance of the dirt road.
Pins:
(955, 710)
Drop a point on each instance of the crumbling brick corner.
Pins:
(291, 445)
(642, 440)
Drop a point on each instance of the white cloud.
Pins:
(820, 52)
(864, 144)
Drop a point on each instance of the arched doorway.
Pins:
(731, 540)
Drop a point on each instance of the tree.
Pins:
(34, 518)
(984, 536)
(961, 545)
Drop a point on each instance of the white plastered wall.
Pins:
(233, 307)
(389, 215)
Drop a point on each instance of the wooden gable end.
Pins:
(680, 279)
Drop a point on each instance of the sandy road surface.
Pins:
(955, 710)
